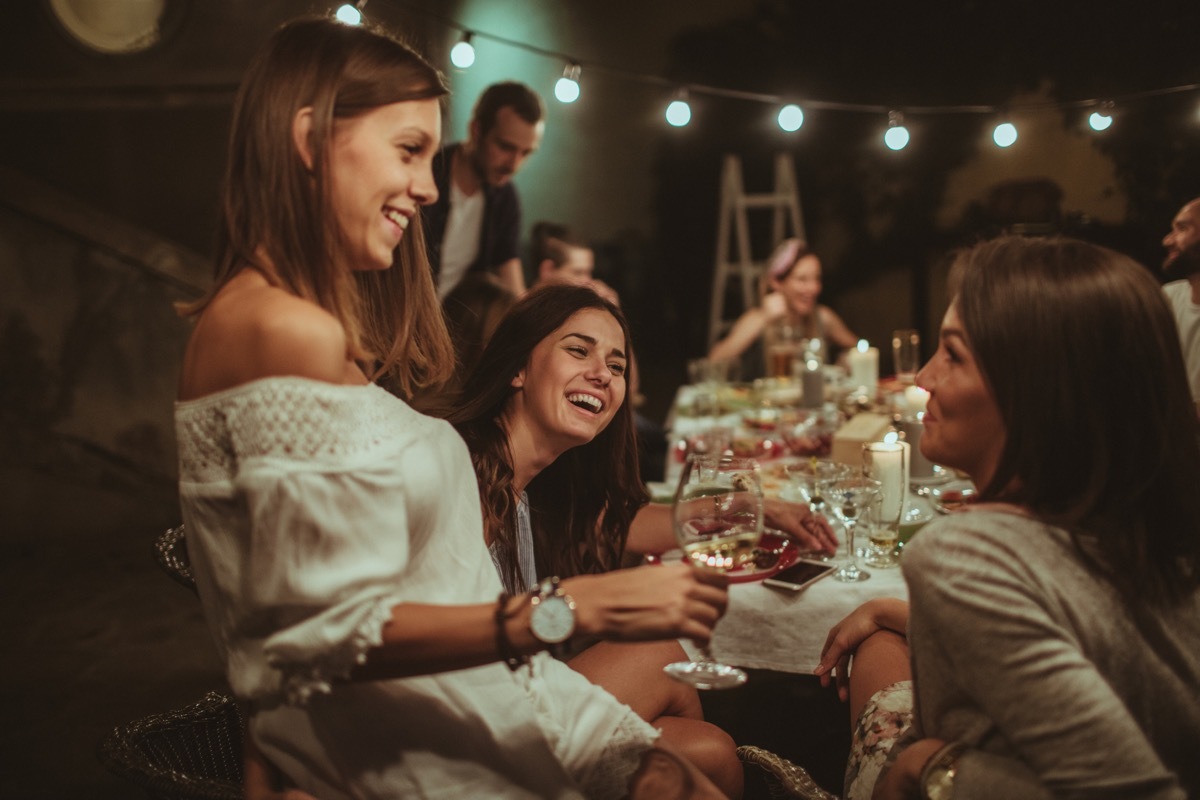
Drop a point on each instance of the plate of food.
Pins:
(952, 496)
(774, 552)
(774, 475)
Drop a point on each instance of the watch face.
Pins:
(552, 620)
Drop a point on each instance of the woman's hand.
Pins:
(774, 306)
(902, 780)
(651, 602)
(883, 613)
(810, 530)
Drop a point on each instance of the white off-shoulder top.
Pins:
(312, 510)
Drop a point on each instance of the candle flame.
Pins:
(862, 345)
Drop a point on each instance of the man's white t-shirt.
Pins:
(1187, 319)
(460, 242)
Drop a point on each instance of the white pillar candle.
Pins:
(887, 462)
(915, 398)
(863, 363)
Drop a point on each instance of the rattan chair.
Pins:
(783, 778)
(170, 551)
(194, 753)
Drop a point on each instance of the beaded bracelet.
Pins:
(504, 647)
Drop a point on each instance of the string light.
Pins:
(896, 135)
(567, 88)
(350, 14)
(679, 113)
(1101, 120)
(462, 55)
(791, 117)
(1005, 134)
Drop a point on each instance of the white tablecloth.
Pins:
(781, 630)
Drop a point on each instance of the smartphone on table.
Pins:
(800, 575)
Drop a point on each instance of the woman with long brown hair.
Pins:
(546, 417)
(1053, 626)
(334, 531)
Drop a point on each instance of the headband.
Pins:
(783, 258)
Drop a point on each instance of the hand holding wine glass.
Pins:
(718, 520)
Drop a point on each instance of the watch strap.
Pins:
(937, 776)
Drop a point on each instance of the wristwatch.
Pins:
(552, 618)
(937, 776)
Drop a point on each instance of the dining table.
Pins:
(773, 628)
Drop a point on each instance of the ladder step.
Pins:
(764, 200)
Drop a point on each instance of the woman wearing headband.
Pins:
(789, 307)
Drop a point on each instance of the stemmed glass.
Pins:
(808, 476)
(850, 497)
(718, 519)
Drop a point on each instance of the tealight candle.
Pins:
(863, 363)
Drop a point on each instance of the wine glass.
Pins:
(808, 476)
(849, 497)
(718, 519)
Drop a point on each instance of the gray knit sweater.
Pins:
(1023, 653)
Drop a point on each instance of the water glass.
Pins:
(906, 354)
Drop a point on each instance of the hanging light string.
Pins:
(1107, 104)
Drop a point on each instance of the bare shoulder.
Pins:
(253, 330)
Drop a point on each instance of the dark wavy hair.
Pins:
(1081, 353)
(582, 505)
(272, 202)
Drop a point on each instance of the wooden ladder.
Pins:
(733, 219)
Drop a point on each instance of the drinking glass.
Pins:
(807, 476)
(851, 498)
(906, 355)
(718, 518)
(886, 462)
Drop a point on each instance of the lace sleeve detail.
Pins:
(303, 679)
(620, 759)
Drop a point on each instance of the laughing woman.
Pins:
(334, 531)
(1054, 626)
(546, 418)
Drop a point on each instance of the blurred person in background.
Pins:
(788, 310)
(1181, 267)
(475, 223)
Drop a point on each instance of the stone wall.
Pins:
(90, 344)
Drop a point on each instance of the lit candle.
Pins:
(916, 399)
(887, 462)
(863, 363)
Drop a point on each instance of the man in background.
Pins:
(1182, 267)
(475, 224)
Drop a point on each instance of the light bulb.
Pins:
(896, 135)
(348, 15)
(1005, 134)
(1100, 121)
(462, 55)
(567, 88)
(791, 117)
(679, 113)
